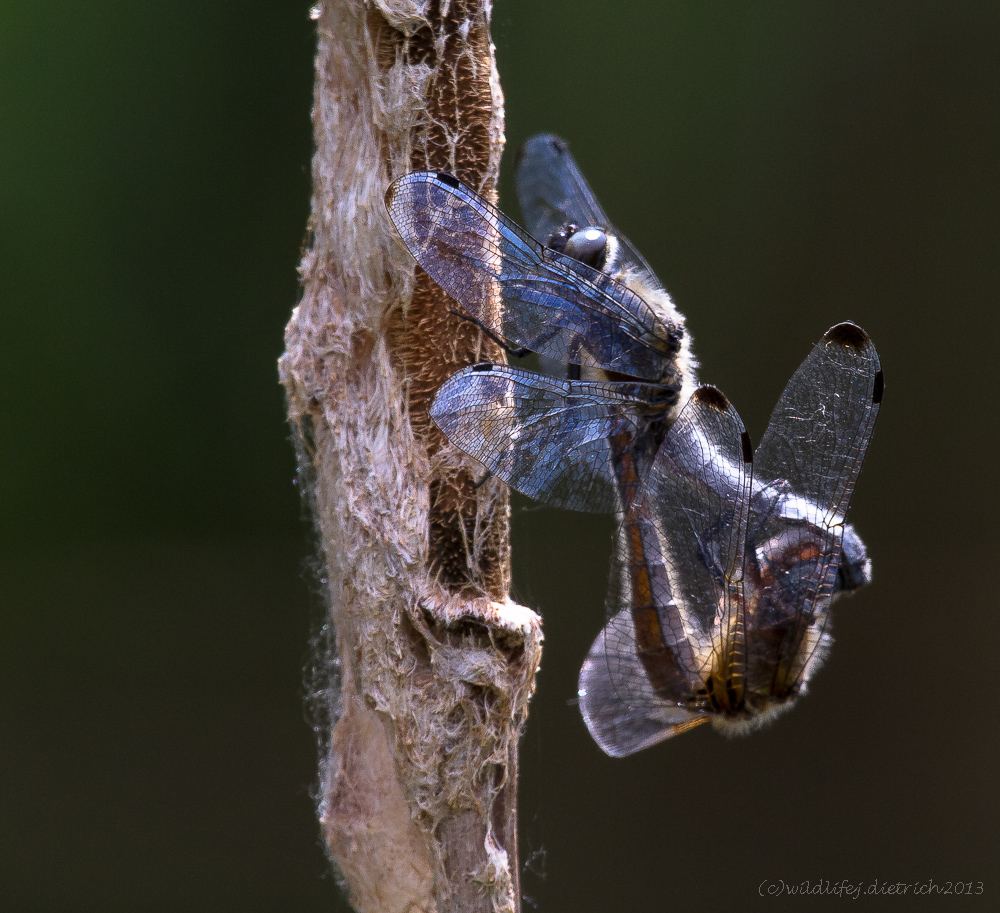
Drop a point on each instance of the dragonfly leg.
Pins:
(519, 352)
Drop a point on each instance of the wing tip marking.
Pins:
(849, 335)
(712, 397)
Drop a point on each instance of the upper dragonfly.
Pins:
(584, 297)
(727, 562)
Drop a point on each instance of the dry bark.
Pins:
(436, 665)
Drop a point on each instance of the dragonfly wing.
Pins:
(820, 429)
(696, 498)
(548, 439)
(675, 605)
(621, 710)
(553, 193)
(806, 468)
(522, 291)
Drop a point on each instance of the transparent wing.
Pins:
(820, 429)
(522, 291)
(556, 441)
(553, 193)
(623, 724)
(675, 606)
(807, 465)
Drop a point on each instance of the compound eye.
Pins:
(588, 245)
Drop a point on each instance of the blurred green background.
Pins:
(783, 166)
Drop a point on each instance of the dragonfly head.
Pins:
(855, 566)
(589, 244)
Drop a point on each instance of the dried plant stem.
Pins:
(419, 785)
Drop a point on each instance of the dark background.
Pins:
(783, 166)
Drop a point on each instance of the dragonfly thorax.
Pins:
(723, 695)
(755, 713)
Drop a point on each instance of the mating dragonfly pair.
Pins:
(726, 558)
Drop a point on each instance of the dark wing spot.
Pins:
(747, 447)
(849, 335)
(448, 179)
(712, 397)
(483, 366)
(877, 391)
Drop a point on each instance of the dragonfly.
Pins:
(583, 297)
(726, 564)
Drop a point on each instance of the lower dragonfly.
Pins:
(583, 297)
(727, 562)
